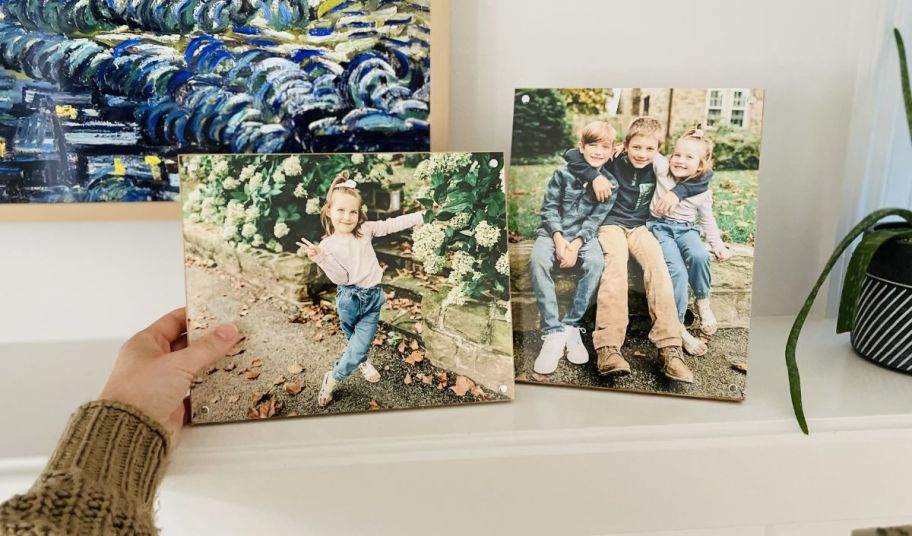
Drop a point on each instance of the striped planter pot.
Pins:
(883, 320)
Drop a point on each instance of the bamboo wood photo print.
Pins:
(632, 220)
(360, 281)
(98, 97)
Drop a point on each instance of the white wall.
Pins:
(802, 53)
(106, 280)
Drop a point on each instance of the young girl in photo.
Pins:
(678, 233)
(347, 257)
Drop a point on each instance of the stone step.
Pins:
(731, 292)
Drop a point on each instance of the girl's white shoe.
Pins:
(708, 322)
(369, 372)
(692, 345)
(326, 390)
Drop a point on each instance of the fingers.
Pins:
(208, 349)
(168, 328)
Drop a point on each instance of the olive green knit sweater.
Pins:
(101, 479)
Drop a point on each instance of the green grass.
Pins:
(735, 194)
(735, 205)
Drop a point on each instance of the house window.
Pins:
(714, 107)
(727, 107)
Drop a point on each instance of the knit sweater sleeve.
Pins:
(334, 270)
(101, 479)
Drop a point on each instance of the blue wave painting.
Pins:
(97, 97)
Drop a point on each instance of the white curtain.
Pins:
(879, 155)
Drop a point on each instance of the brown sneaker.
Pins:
(673, 364)
(611, 362)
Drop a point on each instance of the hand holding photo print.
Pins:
(360, 281)
(631, 220)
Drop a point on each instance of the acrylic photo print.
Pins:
(97, 97)
(360, 281)
(632, 218)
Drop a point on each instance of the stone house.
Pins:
(680, 108)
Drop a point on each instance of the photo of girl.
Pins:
(360, 281)
(668, 307)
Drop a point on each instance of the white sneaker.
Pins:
(576, 350)
(551, 351)
(326, 390)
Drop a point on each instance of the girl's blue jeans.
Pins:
(542, 262)
(686, 257)
(359, 314)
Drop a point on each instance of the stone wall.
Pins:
(284, 275)
(475, 340)
(731, 292)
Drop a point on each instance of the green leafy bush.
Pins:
(269, 201)
(464, 233)
(541, 126)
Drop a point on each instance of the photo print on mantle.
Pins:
(98, 97)
(360, 281)
(632, 217)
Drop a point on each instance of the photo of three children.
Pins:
(608, 203)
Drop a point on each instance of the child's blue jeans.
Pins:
(542, 261)
(359, 314)
(686, 257)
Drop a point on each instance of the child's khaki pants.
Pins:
(611, 315)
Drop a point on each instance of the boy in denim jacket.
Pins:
(570, 216)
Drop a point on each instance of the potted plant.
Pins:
(876, 301)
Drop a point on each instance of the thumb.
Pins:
(209, 348)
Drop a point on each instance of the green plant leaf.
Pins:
(856, 270)
(904, 78)
(792, 343)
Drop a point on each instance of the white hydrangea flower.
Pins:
(251, 214)
(255, 182)
(280, 230)
(246, 173)
(229, 231)
(274, 246)
(196, 218)
(312, 206)
(486, 234)
(220, 167)
(461, 263)
(459, 221)
(423, 171)
(235, 211)
(248, 230)
(193, 167)
(386, 157)
(426, 242)
(300, 190)
(503, 265)
(434, 264)
(292, 166)
(456, 296)
(257, 240)
(278, 177)
(195, 196)
(357, 159)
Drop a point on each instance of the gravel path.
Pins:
(714, 376)
(262, 377)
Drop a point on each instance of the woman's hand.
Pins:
(154, 369)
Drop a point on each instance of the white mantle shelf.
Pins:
(498, 460)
